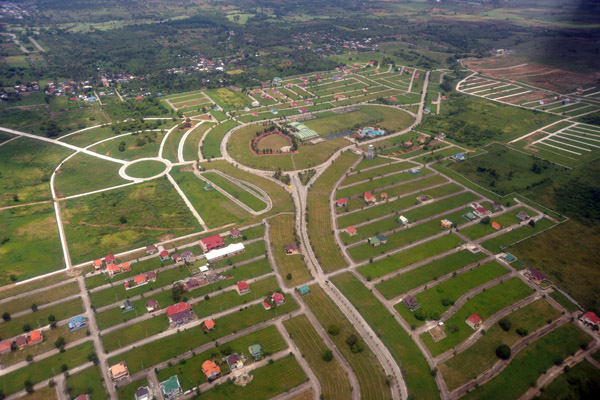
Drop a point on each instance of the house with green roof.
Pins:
(171, 387)
(256, 351)
(304, 290)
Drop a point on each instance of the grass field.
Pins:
(482, 354)
(505, 220)
(19, 228)
(125, 218)
(320, 228)
(89, 381)
(580, 380)
(41, 298)
(236, 191)
(376, 172)
(13, 290)
(127, 392)
(214, 208)
(432, 300)
(530, 363)
(190, 373)
(283, 234)
(377, 184)
(331, 375)
(145, 169)
(564, 301)
(369, 373)
(163, 349)
(46, 368)
(499, 243)
(192, 143)
(416, 371)
(402, 283)
(26, 166)
(227, 99)
(211, 147)
(409, 256)
(72, 177)
(484, 304)
(268, 381)
(140, 145)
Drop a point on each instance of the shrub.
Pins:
(327, 355)
(522, 332)
(504, 324)
(333, 329)
(503, 351)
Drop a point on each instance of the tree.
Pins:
(28, 386)
(6, 316)
(288, 277)
(327, 355)
(60, 342)
(177, 292)
(503, 351)
(333, 329)
(351, 340)
(504, 324)
(522, 332)
(93, 357)
(34, 307)
(485, 221)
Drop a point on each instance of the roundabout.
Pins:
(145, 169)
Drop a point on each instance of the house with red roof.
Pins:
(6, 346)
(266, 306)
(180, 314)
(278, 299)
(369, 198)
(110, 259)
(341, 202)
(351, 231)
(211, 243)
(496, 225)
(209, 325)
(235, 233)
(590, 318)
(383, 196)
(164, 255)
(474, 321)
(242, 288)
(211, 370)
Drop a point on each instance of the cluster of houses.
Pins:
(140, 280)
(20, 342)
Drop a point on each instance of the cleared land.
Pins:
(282, 235)
(236, 191)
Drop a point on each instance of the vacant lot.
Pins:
(236, 191)
(282, 235)
(73, 177)
(583, 377)
(89, 381)
(131, 147)
(211, 147)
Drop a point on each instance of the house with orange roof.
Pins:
(125, 267)
(119, 371)
(209, 325)
(113, 269)
(474, 321)
(138, 280)
(35, 337)
(496, 225)
(98, 264)
(211, 370)
(351, 231)
(384, 196)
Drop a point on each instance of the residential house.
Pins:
(292, 249)
(278, 298)
(171, 387)
(235, 233)
(98, 264)
(211, 370)
(113, 269)
(127, 306)
(187, 255)
(151, 276)
(590, 318)
(496, 206)
(211, 243)
(21, 341)
(523, 216)
(482, 212)
(383, 196)
(191, 284)
(151, 249)
(83, 397)
(423, 198)
(6, 346)
(209, 325)
(374, 241)
(242, 288)
(180, 314)
(446, 224)
(382, 239)
(139, 280)
(407, 144)
(351, 231)
(535, 276)
(470, 216)
(152, 305)
(35, 337)
(208, 187)
(225, 252)
(255, 351)
(304, 290)
(508, 257)
(441, 136)
(341, 202)
(143, 393)
(119, 371)
(414, 171)
(77, 323)
(164, 255)
(177, 258)
(474, 321)
(496, 225)
(369, 198)
(125, 267)
(266, 305)
(410, 302)
(110, 259)
(234, 362)
(403, 220)
(459, 157)
(422, 140)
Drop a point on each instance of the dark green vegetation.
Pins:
(579, 382)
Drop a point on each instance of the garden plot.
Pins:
(185, 100)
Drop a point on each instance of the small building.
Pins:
(208, 187)
(113, 269)
(98, 264)
(402, 220)
(225, 252)
(369, 198)
(523, 216)
(291, 249)
(423, 198)
(470, 216)
(374, 241)
(177, 258)
(590, 318)
(414, 171)
(211, 243)
(164, 255)
(171, 387)
(110, 259)
(497, 207)
(151, 276)
(21, 341)
(341, 202)
(474, 321)
(242, 288)
(180, 314)
(382, 239)
(127, 306)
(209, 325)
(125, 267)
(304, 290)
(151, 249)
(446, 224)
(383, 196)
(211, 370)
(351, 231)
(143, 393)
(234, 362)
(278, 298)
(255, 351)
(119, 371)
(496, 225)
(83, 396)
(35, 337)
(6, 346)
(508, 257)
(235, 233)
(187, 255)
(482, 211)
(407, 144)
(459, 157)
(535, 276)
(191, 284)
(152, 305)
(77, 323)
(422, 140)
(411, 302)
(266, 306)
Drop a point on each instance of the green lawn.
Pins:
(319, 221)
(505, 220)
(192, 143)
(402, 283)
(581, 381)
(135, 146)
(134, 332)
(127, 392)
(378, 184)
(499, 243)
(282, 234)
(145, 169)
(531, 362)
(236, 191)
(417, 374)
(410, 256)
(214, 208)
(432, 300)
(369, 373)
(484, 304)
(89, 381)
(211, 147)
(227, 99)
(377, 172)
(482, 354)
(46, 368)
(163, 349)
(190, 373)
(41, 298)
(564, 301)
(331, 375)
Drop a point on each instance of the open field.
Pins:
(227, 99)
(484, 304)
(376, 172)
(26, 166)
(135, 146)
(500, 243)
(73, 176)
(482, 354)
(371, 376)
(402, 283)
(580, 380)
(409, 256)
(192, 143)
(42, 298)
(319, 223)
(89, 381)
(145, 169)
(128, 391)
(121, 219)
(417, 373)
(531, 362)
(436, 300)
(377, 184)
(211, 147)
(236, 191)
(282, 235)
(331, 375)
(19, 229)
(505, 220)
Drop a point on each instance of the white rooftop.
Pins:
(224, 252)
